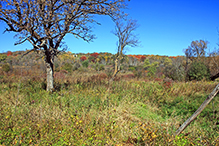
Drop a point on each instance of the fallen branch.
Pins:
(199, 110)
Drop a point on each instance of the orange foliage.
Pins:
(83, 58)
(95, 55)
(174, 57)
(139, 57)
(9, 53)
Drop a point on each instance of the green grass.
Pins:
(134, 112)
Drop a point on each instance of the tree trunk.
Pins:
(117, 66)
(199, 110)
(49, 59)
(49, 72)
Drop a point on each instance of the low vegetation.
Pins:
(137, 111)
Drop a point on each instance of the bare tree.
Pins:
(44, 23)
(196, 50)
(126, 37)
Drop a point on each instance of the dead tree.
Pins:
(126, 37)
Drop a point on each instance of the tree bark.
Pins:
(117, 69)
(49, 69)
(199, 110)
(49, 72)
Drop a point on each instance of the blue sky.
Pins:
(166, 28)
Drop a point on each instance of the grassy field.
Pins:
(82, 112)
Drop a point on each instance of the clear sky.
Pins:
(166, 28)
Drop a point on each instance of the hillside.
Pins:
(145, 105)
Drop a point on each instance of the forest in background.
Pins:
(195, 65)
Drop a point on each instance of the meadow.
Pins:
(82, 111)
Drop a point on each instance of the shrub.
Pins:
(56, 65)
(9, 53)
(103, 75)
(99, 67)
(198, 71)
(82, 69)
(175, 73)
(132, 68)
(142, 58)
(6, 67)
(83, 58)
(76, 66)
(102, 67)
(2, 57)
(85, 63)
(129, 76)
(152, 69)
(68, 67)
(139, 71)
(91, 59)
(146, 63)
(109, 72)
(95, 55)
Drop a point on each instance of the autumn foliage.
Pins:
(95, 55)
(83, 58)
(9, 53)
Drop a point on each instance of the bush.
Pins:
(198, 71)
(68, 67)
(76, 66)
(56, 65)
(9, 53)
(152, 69)
(99, 67)
(132, 68)
(6, 67)
(102, 67)
(175, 73)
(91, 59)
(83, 58)
(82, 69)
(95, 55)
(109, 72)
(146, 63)
(2, 57)
(138, 72)
(85, 63)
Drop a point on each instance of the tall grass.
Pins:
(136, 112)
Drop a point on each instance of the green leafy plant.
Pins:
(198, 71)
(131, 68)
(99, 67)
(68, 67)
(180, 141)
(3, 57)
(76, 66)
(82, 69)
(146, 63)
(152, 69)
(175, 73)
(139, 71)
(6, 67)
(85, 63)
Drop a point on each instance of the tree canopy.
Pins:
(44, 23)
